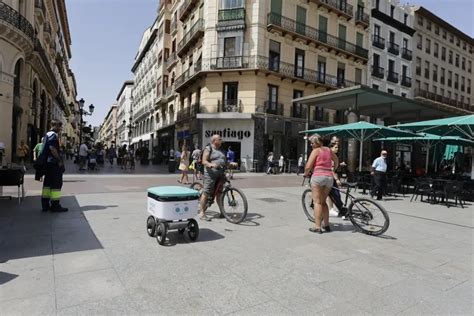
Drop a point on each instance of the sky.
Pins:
(106, 35)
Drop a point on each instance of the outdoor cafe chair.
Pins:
(453, 190)
(423, 187)
(13, 177)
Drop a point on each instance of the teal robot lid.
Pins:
(172, 191)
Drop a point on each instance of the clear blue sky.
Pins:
(106, 34)
(105, 37)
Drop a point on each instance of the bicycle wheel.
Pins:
(369, 216)
(233, 205)
(308, 206)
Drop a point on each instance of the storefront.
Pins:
(236, 133)
(165, 137)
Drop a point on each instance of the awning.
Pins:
(375, 103)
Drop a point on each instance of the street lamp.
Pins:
(130, 126)
(82, 113)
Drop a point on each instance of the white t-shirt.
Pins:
(83, 150)
(281, 161)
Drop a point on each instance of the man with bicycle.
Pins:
(214, 162)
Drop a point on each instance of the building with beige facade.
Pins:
(35, 79)
(124, 113)
(234, 67)
(443, 58)
(108, 130)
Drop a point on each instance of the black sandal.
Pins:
(316, 230)
(327, 229)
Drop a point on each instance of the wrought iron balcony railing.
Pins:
(362, 18)
(231, 14)
(393, 48)
(442, 99)
(392, 76)
(378, 71)
(38, 48)
(272, 107)
(315, 35)
(15, 19)
(407, 54)
(229, 105)
(186, 9)
(406, 81)
(195, 32)
(340, 6)
(378, 41)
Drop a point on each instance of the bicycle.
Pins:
(230, 200)
(362, 212)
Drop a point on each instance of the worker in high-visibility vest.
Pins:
(53, 177)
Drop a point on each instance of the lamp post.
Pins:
(83, 113)
(130, 126)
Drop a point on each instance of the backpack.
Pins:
(208, 147)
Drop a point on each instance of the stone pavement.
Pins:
(98, 258)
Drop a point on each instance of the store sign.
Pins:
(229, 133)
(403, 147)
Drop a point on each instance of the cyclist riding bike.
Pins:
(214, 162)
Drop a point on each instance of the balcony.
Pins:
(40, 10)
(231, 19)
(309, 34)
(407, 54)
(378, 41)
(419, 93)
(340, 7)
(187, 113)
(229, 105)
(171, 61)
(16, 20)
(173, 27)
(299, 112)
(188, 76)
(45, 62)
(406, 81)
(378, 72)
(275, 108)
(193, 35)
(393, 48)
(186, 9)
(362, 19)
(169, 92)
(392, 76)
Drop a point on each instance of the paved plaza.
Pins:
(98, 258)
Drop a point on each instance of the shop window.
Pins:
(274, 56)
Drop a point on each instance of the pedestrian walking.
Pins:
(196, 156)
(320, 168)
(22, 153)
(111, 155)
(379, 173)
(231, 161)
(53, 177)
(281, 164)
(300, 165)
(83, 153)
(270, 163)
(184, 165)
(37, 150)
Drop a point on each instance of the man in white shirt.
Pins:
(379, 172)
(83, 152)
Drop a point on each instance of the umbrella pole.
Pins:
(361, 148)
(427, 157)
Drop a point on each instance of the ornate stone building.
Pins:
(36, 82)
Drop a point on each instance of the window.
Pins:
(458, 42)
(464, 45)
(456, 81)
(405, 18)
(444, 34)
(360, 39)
(428, 46)
(442, 75)
(297, 107)
(469, 65)
(450, 78)
(390, 91)
(450, 57)
(358, 76)
(274, 62)
(231, 4)
(404, 71)
(377, 30)
(451, 38)
(435, 89)
(321, 69)
(392, 10)
(420, 21)
(436, 29)
(299, 63)
(462, 83)
(427, 69)
(230, 93)
(341, 74)
(468, 85)
(436, 48)
(272, 98)
(435, 73)
(428, 25)
(443, 53)
(418, 66)
(404, 94)
(229, 46)
(375, 86)
(457, 60)
(419, 44)
(391, 65)
(391, 37)
(427, 86)
(405, 43)
(463, 63)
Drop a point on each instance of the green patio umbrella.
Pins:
(430, 140)
(360, 131)
(462, 126)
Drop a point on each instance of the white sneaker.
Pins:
(333, 212)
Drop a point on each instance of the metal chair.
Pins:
(13, 177)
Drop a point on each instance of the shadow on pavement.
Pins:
(96, 207)
(26, 232)
(6, 277)
(251, 218)
(174, 238)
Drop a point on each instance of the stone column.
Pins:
(353, 150)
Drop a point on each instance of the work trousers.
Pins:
(380, 179)
(52, 184)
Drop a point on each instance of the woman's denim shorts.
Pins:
(322, 181)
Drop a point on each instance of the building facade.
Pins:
(124, 110)
(391, 49)
(35, 79)
(443, 62)
(233, 67)
(108, 130)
